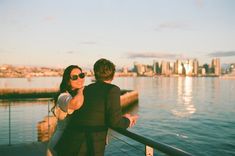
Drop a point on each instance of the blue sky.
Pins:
(62, 32)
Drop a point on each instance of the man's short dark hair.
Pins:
(104, 70)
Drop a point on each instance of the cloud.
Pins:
(199, 3)
(49, 18)
(6, 51)
(88, 43)
(173, 25)
(222, 54)
(71, 52)
(152, 55)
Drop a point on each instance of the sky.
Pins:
(57, 33)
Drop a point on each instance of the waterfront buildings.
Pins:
(186, 67)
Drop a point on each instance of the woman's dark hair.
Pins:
(104, 70)
(65, 85)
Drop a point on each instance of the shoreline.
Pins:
(228, 77)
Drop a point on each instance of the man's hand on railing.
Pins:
(132, 118)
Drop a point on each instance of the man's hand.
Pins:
(132, 118)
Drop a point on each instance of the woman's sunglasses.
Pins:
(75, 77)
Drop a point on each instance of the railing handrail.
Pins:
(9, 94)
(167, 149)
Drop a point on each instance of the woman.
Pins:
(69, 98)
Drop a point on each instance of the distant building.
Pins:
(148, 68)
(156, 67)
(139, 68)
(232, 69)
(232, 66)
(125, 69)
(172, 67)
(216, 66)
(175, 68)
(195, 67)
(165, 68)
(203, 71)
(188, 66)
(179, 67)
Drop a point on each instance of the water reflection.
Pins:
(185, 106)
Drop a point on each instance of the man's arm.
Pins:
(114, 112)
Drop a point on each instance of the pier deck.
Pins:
(30, 149)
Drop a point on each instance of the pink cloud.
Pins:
(50, 18)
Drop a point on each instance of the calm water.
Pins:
(194, 114)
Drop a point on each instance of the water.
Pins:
(194, 114)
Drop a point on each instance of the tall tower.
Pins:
(216, 66)
(176, 67)
(156, 67)
(139, 68)
(195, 67)
(179, 67)
(165, 68)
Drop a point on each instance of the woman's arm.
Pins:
(59, 113)
(76, 102)
(67, 104)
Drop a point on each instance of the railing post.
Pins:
(48, 126)
(148, 151)
(9, 143)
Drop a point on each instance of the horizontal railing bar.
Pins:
(27, 95)
(32, 93)
(167, 149)
(136, 148)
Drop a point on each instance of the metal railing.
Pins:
(9, 123)
(12, 117)
(150, 145)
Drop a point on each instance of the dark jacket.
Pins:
(87, 127)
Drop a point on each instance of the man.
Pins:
(86, 132)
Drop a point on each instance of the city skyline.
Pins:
(165, 68)
(59, 33)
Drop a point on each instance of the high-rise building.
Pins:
(156, 67)
(172, 67)
(165, 68)
(180, 67)
(139, 68)
(176, 67)
(195, 67)
(188, 65)
(203, 72)
(216, 66)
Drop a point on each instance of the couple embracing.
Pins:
(85, 113)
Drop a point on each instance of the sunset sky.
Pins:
(62, 32)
